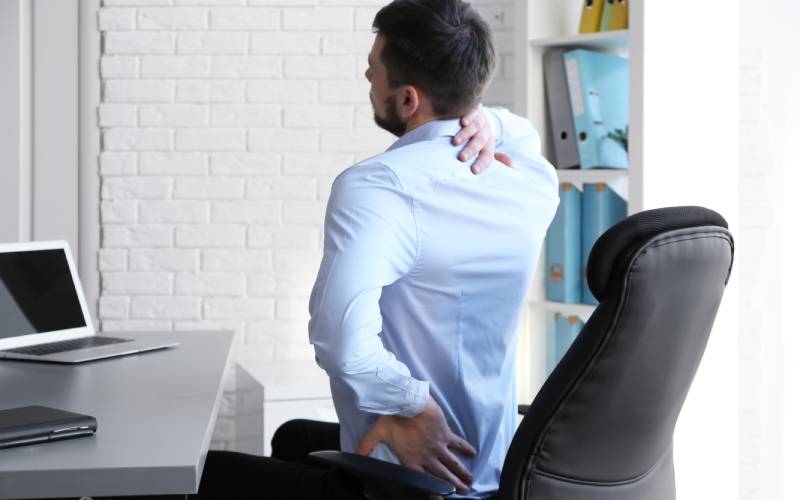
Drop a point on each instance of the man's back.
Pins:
(448, 256)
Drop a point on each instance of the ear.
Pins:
(409, 101)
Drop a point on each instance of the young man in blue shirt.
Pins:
(425, 269)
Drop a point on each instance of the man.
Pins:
(424, 272)
(426, 266)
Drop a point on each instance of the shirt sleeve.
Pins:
(370, 242)
(519, 139)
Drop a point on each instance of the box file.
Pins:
(619, 15)
(608, 11)
(602, 207)
(591, 16)
(563, 248)
(561, 335)
(598, 88)
(559, 111)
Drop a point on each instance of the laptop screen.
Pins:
(37, 294)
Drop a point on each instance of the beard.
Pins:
(392, 123)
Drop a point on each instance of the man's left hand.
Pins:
(477, 132)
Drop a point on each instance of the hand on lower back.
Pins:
(424, 443)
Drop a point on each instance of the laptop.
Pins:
(43, 314)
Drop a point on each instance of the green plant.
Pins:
(620, 136)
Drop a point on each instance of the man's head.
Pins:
(430, 58)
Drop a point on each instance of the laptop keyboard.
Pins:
(67, 345)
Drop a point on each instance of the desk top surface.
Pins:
(155, 414)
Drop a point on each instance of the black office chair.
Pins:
(601, 426)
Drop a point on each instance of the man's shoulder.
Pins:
(372, 190)
(368, 173)
(371, 183)
(399, 168)
(415, 165)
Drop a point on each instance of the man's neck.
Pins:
(415, 122)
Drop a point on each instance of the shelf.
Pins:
(566, 309)
(589, 176)
(609, 40)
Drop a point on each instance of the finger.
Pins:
(409, 461)
(470, 117)
(455, 466)
(439, 470)
(370, 440)
(504, 159)
(461, 446)
(434, 497)
(475, 144)
(465, 133)
(482, 163)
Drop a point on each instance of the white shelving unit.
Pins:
(598, 41)
(582, 310)
(545, 25)
(579, 176)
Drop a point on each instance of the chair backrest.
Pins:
(601, 426)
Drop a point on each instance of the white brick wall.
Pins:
(224, 123)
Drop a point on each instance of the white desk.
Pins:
(155, 413)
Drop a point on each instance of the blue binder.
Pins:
(602, 208)
(563, 248)
(598, 89)
(560, 337)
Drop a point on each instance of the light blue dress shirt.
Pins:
(422, 282)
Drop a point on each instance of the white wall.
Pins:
(690, 150)
(790, 273)
(223, 126)
(767, 262)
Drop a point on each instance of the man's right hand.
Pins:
(477, 132)
(423, 443)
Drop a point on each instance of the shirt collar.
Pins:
(428, 131)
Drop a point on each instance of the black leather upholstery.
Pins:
(601, 426)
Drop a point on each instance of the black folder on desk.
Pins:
(40, 424)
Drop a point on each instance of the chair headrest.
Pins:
(614, 248)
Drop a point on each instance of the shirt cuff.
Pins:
(419, 400)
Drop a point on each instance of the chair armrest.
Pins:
(377, 473)
(522, 409)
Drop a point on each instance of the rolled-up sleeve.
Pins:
(370, 242)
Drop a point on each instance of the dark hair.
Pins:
(443, 47)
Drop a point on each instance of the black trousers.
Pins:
(286, 475)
